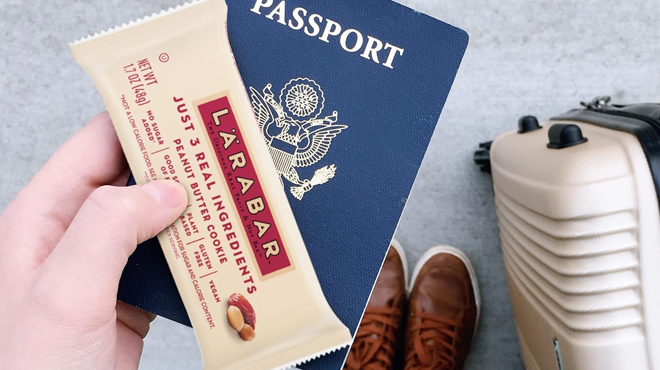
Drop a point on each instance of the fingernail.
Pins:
(168, 193)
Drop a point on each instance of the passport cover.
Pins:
(366, 82)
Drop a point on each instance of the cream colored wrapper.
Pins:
(181, 112)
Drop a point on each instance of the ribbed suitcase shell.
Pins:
(580, 233)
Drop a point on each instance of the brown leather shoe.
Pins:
(443, 311)
(381, 331)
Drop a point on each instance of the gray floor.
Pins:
(539, 57)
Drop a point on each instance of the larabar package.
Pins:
(181, 112)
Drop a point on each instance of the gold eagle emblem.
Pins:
(295, 135)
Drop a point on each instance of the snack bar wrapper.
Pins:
(240, 264)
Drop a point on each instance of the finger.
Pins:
(129, 348)
(134, 318)
(132, 326)
(89, 159)
(87, 263)
(120, 180)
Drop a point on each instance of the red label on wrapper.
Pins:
(244, 185)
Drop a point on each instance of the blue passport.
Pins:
(368, 79)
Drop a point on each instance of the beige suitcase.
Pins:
(577, 201)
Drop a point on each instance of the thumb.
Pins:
(93, 252)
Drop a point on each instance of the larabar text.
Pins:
(181, 112)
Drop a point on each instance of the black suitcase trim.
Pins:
(640, 120)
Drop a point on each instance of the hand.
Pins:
(64, 241)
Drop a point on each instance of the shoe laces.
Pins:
(434, 343)
(375, 341)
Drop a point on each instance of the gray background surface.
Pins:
(538, 57)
